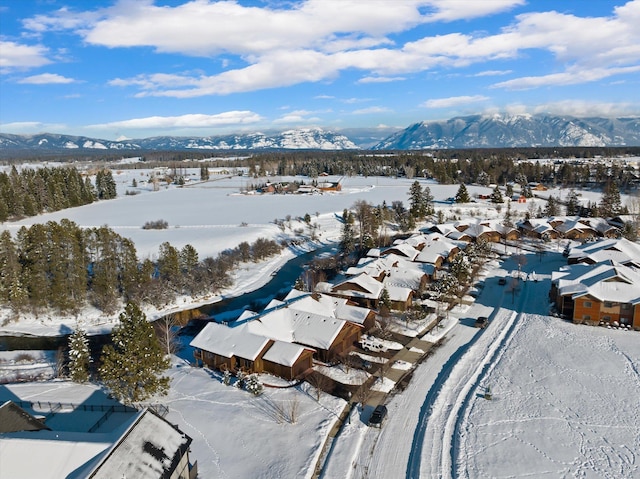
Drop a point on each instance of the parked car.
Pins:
(378, 416)
(502, 281)
(482, 322)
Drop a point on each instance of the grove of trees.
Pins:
(62, 267)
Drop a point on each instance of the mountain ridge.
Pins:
(473, 131)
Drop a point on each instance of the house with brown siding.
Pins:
(593, 294)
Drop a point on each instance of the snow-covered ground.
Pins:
(209, 216)
(564, 399)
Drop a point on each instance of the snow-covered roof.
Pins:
(327, 305)
(402, 249)
(398, 293)
(229, 341)
(364, 286)
(64, 453)
(283, 353)
(294, 326)
(150, 448)
(573, 225)
(629, 249)
(604, 281)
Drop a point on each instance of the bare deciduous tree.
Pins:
(167, 332)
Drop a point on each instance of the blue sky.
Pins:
(139, 68)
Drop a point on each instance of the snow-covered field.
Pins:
(565, 397)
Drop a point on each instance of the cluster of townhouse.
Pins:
(289, 334)
(601, 284)
(91, 442)
(573, 227)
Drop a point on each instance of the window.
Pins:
(606, 318)
(586, 317)
(626, 306)
(587, 304)
(608, 304)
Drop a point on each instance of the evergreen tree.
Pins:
(12, 292)
(428, 201)
(132, 365)
(79, 356)
(508, 221)
(496, 196)
(509, 191)
(610, 203)
(573, 204)
(417, 208)
(552, 208)
(347, 238)
(462, 196)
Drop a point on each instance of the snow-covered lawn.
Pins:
(235, 434)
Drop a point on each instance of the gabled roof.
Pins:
(13, 419)
(604, 281)
(301, 327)
(628, 249)
(573, 225)
(229, 341)
(402, 249)
(364, 286)
(327, 305)
(283, 353)
(150, 448)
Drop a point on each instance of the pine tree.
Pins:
(79, 356)
(573, 204)
(347, 239)
(507, 220)
(462, 196)
(610, 204)
(552, 208)
(496, 196)
(428, 201)
(132, 365)
(416, 201)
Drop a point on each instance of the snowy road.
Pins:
(564, 399)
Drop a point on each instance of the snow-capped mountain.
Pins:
(297, 139)
(504, 131)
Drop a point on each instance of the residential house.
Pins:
(603, 293)
(575, 230)
(620, 251)
(237, 348)
(146, 446)
(602, 227)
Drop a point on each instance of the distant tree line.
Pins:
(30, 192)
(62, 267)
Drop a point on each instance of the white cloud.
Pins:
(46, 79)
(15, 56)
(453, 101)
(371, 110)
(184, 121)
(492, 73)
(30, 127)
(380, 79)
(571, 77)
(450, 10)
(311, 42)
(588, 108)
